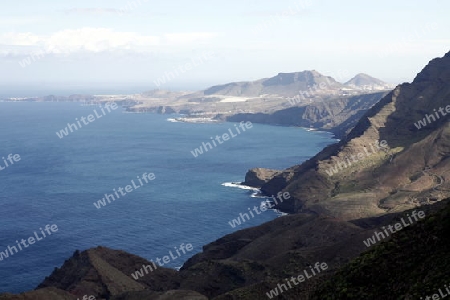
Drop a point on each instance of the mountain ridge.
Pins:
(391, 119)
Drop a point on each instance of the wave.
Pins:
(256, 192)
(173, 120)
(268, 202)
(239, 186)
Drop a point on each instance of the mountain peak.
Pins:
(365, 81)
(301, 73)
(436, 69)
(282, 84)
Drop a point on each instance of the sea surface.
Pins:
(190, 201)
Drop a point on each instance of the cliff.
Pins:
(336, 114)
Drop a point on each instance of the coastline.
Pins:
(226, 210)
(257, 193)
(207, 118)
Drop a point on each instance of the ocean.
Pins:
(58, 180)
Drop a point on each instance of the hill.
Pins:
(367, 82)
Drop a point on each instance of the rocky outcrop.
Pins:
(257, 177)
(167, 110)
(106, 273)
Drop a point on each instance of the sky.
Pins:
(138, 45)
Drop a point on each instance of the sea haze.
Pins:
(58, 180)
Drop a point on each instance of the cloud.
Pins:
(19, 39)
(94, 40)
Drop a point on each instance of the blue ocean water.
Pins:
(58, 180)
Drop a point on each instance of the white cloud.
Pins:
(94, 40)
(19, 39)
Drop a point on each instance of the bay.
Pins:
(58, 180)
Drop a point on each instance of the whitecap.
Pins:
(173, 120)
(240, 186)
(268, 202)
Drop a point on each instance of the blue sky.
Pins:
(135, 42)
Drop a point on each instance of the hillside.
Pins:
(248, 264)
(414, 264)
(337, 115)
(355, 178)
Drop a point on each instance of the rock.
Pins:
(259, 176)
(106, 273)
(166, 110)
